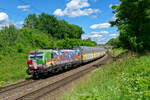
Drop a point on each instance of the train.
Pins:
(50, 60)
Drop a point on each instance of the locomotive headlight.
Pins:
(30, 65)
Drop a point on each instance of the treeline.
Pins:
(59, 29)
(114, 42)
(41, 31)
(133, 22)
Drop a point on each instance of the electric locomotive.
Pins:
(51, 60)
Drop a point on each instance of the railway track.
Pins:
(15, 85)
(47, 89)
(33, 90)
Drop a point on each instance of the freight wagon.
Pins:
(51, 60)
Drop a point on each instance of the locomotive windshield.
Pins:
(36, 55)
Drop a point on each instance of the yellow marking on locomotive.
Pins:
(88, 56)
(96, 54)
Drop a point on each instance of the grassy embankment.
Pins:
(127, 78)
(13, 67)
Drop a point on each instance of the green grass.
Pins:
(118, 51)
(13, 68)
(128, 78)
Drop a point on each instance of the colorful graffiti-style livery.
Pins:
(50, 60)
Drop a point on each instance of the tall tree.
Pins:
(9, 36)
(48, 23)
(63, 30)
(133, 22)
(59, 29)
(30, 21)
(75, 31)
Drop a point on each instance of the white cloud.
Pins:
(4, 20)
(75, 8)
(19, 23)
(102, 40)
(94, 16)
(100, 37)
(99, 26)
(110, 5)
(94, 0)
(101, 32)
(114, 35)
(3, 16)
(58, 12)
(91, 35)
(24, 7)
(114, 17)
(96, 36)
(77, 4)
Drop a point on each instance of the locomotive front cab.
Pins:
(35, 61)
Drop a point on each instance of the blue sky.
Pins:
(91, 15)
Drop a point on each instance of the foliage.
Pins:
(35, 37)
(59, 29)
(13, 68)
(38, 31)
(14, 40)
(114, 42)
(118, 51)
(126, 78)
(42, 31)
(9, 37)
(133, 22)
(74, 42)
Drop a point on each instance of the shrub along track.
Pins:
(39, 88)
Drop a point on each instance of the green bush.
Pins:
(20, 47)
(133, 22)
